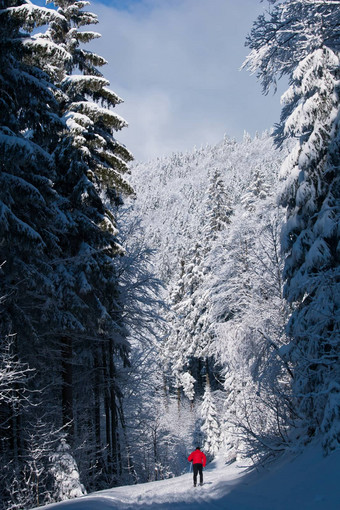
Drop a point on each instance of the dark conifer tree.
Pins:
(31, 219)
(61, 176)
(91, 164)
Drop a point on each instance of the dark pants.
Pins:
(198, 468)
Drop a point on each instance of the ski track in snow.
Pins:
(307, 482)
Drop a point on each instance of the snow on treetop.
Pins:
(95, 59)
(33, 15)
(82, 4)
(107, 224)
(84, 18)
(114, 157)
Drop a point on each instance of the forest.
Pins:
(147, 307)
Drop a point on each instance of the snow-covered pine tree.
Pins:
(65, 472)
(210, 422)
(218, 206)
(302, 40)
(30, 214)
(91, 164)
(311, 238)
(29, 210)
(181, 346)
(88, 102)
(258, 190)
(61, 237)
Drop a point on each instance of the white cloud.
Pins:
(176, 65)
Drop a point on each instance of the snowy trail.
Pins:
(307, 482)
(174, 493)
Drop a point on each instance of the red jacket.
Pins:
(197, 457)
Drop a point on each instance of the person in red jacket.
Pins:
(199, 461)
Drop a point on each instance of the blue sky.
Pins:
(176, 64)
(122, 4)
(116, 4)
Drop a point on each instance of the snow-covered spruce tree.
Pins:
(60, 240)
(218, 206)
(91, 164)
(29, 207)
(30, 214)
(210, 422)
(181, 348)
(302, 40)
(65, 472)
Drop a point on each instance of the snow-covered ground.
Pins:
(306, 482)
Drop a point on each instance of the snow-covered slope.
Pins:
(306, 482)
(172, 192)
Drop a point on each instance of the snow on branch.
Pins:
(97, 113)
(32, 15)
(81, 82)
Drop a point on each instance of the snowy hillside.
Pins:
(212, 221)
(309, 481)
(172, 192)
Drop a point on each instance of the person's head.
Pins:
(198, 448)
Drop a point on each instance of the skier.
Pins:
(199, 461)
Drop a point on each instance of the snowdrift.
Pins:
(307, 481)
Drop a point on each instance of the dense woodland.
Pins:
(149, 307)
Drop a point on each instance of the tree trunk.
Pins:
(129, 458)
(105, 375)
(113, 408)
(67, 388)
(96, 393)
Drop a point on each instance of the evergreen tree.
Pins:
(258, 190)
(218, 205)
(184, 340)
(65, 473)
(30, 215)
(31, 218)
(210, 426)
(91, 164)
(306, 41)
(61, 178)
